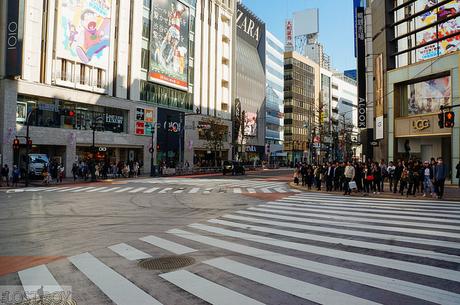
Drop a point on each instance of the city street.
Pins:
(243, 240)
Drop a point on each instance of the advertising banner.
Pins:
(83, 31)
(144, 122)
(378, 77)
(288, 34)
(250, 125)
(169, 41)
(361, 71)
(428, 96)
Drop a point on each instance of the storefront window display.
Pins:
(426, 96)
(49, 113)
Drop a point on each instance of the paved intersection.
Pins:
(302, 249)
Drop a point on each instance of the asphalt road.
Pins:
(253, 241)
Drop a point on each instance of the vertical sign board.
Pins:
(356, 4)
(361, 63)
(13, 45)
(288, 34)
(379, 100)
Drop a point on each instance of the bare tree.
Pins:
(215, 133)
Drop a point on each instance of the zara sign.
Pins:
(249, 26)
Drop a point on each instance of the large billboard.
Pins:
(250, 124)
(169, 43)
(83, 31)
(428, 96)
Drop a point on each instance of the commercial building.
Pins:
(145, 71)
(301, 108)
(249, 108)
(274, 109)
(416, 62)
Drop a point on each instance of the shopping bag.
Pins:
(352, 185)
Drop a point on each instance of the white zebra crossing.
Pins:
(250, 228)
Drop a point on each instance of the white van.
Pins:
(37, 162)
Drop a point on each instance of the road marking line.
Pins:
(97, 189)
(251, 190)
(341, 254)
(194, 190)
(151, 190)
(237, 190)
(129, 252)
(167, 245)
(280, 190)
(348, 232)
(110, 189)
(278, 206)
(83, 189)
(178, 191)
(357, 219)
(165, 190)
(124, 189)
(208, 190)
(265, 190)
(120, 290)
(295, 190)
(65, 189)
(295, 287)
(395, 285)
(33, 278)
(51, 189)
(137, 190)
(35, 189)
(207, 290)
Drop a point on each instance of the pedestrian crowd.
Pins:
(105, 170)
(407, 178)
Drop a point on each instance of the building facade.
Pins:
(274, 109)
(249, 110)
(301, 108)
(415, 73)
(139, 79)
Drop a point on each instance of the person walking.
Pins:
(440, 174)
(458, 173)
(329, 177)
(349, 176)
(75, 171)
(6, 174)
(427, 178)
(16, 175)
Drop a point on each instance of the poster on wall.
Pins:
(250, 124)
(83, 31)
(169, 43)
(144, 122)
(428, 96)
(443, 29)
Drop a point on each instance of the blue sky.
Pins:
(335, 24)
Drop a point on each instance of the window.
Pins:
(145, 59)
(82, 74)
(100, 78)
(63, 69)
(147, 3)
(145, 28)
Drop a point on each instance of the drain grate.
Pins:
(51, 299)
(167, 263)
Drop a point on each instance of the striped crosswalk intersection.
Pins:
(303, 249)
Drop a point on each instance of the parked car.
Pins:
(233, 167)
(37, 162)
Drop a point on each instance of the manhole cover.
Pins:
(167, 262)
(51, 299)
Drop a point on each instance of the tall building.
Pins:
(136, 85)
(301, 108)
(415, 66)
(274, 109)
(250, 86)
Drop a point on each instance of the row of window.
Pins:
(161, 95)
(82, 74)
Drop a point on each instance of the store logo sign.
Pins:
(421, 124)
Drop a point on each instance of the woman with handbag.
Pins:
(368, 179)
(377, 172)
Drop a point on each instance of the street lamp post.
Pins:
(27, 146)
(152, 167)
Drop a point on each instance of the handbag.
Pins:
(352, 185)
(370, 178)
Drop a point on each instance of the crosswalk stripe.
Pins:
(178, 191)
(207, 290)
(374, 202)
(280, 190)
(237, 190)
(351, 224)
(251, 190)
(194, 190)
(51, 189)
(137, 190)
(65, 189)
(417, 240)
(341, 254)
(97, 189)
(358, 204)
(277, 205)
(208, 190)
(151, 190)
(380, 210)
(83, 189)
(295, 190)
(265, 190)
(110, 189)
(120, 290)
(295, 287)
(357, 219)
(124, 189)
(129, 252)
(167, 245)
(33, 278)
(395, 285)
(34, 189)
(165, 190)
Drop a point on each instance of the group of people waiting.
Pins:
(104, 170)
(404, 177)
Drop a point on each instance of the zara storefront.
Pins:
(415, 94)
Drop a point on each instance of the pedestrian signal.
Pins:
(16, 144)
(449, 118)
(441, 120)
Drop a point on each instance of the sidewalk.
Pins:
(451, 193)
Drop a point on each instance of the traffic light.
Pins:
(68, 112)
(29, 143)
(16, 144)
(441, 120)
(449, 118)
